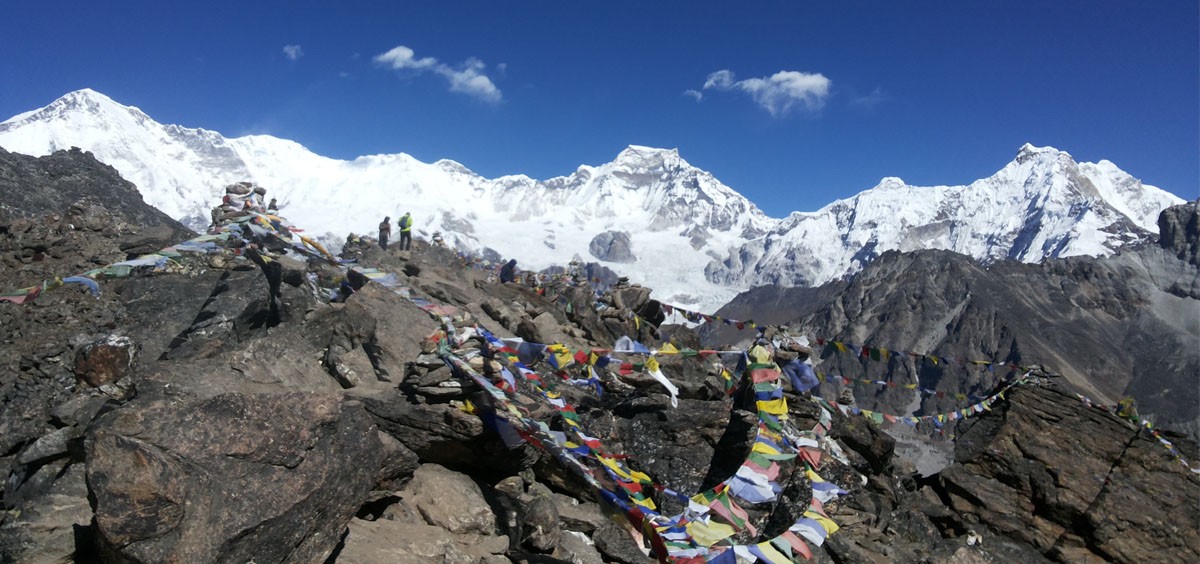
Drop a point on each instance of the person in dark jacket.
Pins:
(385, 231)
(508, 272)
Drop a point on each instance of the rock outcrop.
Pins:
(263, 478)
(1179, 231)
(1074, 482)
(612, 246)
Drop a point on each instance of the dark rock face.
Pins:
(231, 478)
(1121, 325)
(1073, 482)
(41, 185)
(1179, 231)
(612, 246)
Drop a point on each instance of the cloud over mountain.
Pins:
(778, 93)
(465, 78)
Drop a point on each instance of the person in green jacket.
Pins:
(406, 223)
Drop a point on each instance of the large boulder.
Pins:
(1179, 231)
(230, 478)
(612, 246)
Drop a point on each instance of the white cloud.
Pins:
(470, 80)
(467, 78)
(293, 52)
(401, 57)
(778, 93)
(721, 79)
(694, 94)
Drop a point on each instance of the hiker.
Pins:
(799, 373)
(273, 206)
(406, 223)
(508, 272)
(385, 231)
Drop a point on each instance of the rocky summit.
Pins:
(243, 395)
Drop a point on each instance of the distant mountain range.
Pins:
(649, 214)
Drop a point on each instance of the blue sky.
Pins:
(793, 104)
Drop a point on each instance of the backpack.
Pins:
(405, 222)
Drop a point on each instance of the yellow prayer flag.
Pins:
(710, 533)
(668, 348)
(772, 555)
(763, 448)
(774, 407)
(826, 523)
(651, 364)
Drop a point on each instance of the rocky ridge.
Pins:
(1116, 326)
(335, 434)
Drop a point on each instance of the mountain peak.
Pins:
(648, 157)
(1028, 151)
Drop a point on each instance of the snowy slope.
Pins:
(694, 240)
(1041, 205)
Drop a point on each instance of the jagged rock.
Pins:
(868, 440)
(542, 329)
(500, 313)
(53, 527)
(439, 433)
(351, 338)
(268, 478)
(1179, 231)
(449, 500)
(577, 548)
(409, 542)
(50, 446)
(148, 241)
(399, 464)
(616, 545)
(1073, 482)
(295, 271)
(532, 518)
(105, 360)
(612, 246)
(79, 410)
(583, 517)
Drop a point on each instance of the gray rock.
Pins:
(1179, 231)
(416, 542)
(53, 527)
(50, 446)
(449, 500)
(269, 478)
(399, 464)
(616, 545)
(612, 246)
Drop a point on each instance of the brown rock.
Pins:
(105, 360)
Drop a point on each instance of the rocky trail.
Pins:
(219, 407)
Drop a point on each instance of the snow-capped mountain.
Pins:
(1041, 205)
(681, 231)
